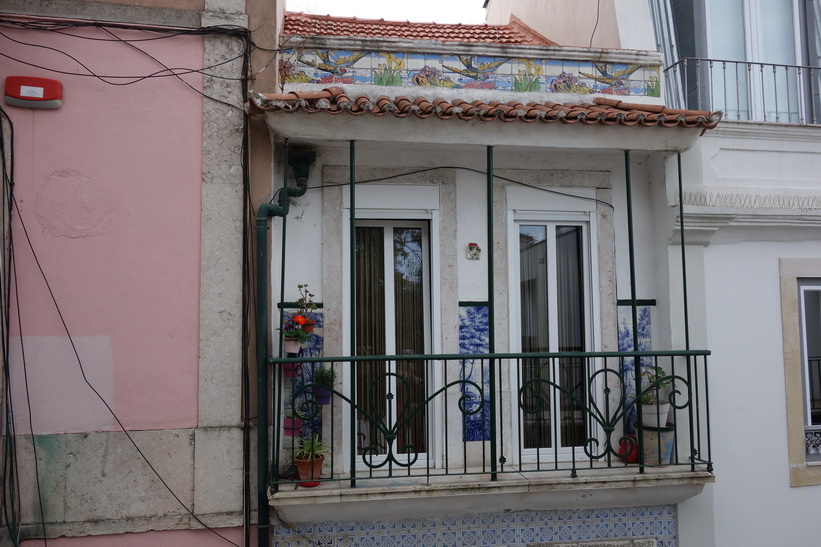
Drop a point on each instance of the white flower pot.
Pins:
(655, 415)
(291, 346)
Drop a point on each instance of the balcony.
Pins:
(761, 92)
(535, 430)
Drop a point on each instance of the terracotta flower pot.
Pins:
(309, 325)
(309, 469)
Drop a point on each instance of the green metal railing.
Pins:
(566, 412)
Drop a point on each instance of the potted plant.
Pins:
(654, 405)
(294, 334)
(291, 425)
(324, 379)
(309, 456)
(306, 305)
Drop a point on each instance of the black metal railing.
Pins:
(746, 91)
(563, 412)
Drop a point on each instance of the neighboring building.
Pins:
(123, 295)
(752, 211)
(519, 194)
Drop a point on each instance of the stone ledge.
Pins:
(389, 499)
(129, 525)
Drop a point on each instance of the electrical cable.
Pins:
(290, 527)
(479, 171)
(165, 73)
(10, 471)
(28, 393)
(170, 70)
(598, 12)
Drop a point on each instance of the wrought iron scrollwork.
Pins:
(535, 394)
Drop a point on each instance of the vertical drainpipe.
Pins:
(683, 257)
(262, 375)
(266, 211)
(687, 323)
(634, 311)
(352, 236)
(491, 315)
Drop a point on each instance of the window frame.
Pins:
(421, 203)
(791, 272)
(576, 206)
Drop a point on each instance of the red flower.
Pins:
(299, 320)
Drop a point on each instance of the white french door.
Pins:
(554, 316)
(392, 318)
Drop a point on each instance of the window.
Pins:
(801, 324)
(753, 49)
(398, 277)
(553, 318)
(392, 318)
(810, 321)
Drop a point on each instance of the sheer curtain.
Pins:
(370, 335)
(409, 310)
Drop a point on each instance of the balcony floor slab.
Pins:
(412, 497)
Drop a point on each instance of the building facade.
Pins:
(462, 208)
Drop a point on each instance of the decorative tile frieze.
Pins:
(413, 70)
(605, 526)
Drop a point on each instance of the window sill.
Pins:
(334, 501)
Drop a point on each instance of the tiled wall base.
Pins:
(525, 528)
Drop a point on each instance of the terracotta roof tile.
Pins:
(333, 100)
(515, 32)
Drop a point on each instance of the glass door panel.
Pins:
(392, 319)
(553, 318)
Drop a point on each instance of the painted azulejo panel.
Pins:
(400, 69)
(628, 369)
(475, 374)
(304, 402)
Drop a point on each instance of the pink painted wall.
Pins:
(108, 187)
(173, 538)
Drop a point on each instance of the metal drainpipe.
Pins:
(352, 236)
(266, 211)
(491, 315)
(635, 322)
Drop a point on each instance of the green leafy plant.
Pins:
(305, 302)
(324, 376)
(655, 381)
(310, 448)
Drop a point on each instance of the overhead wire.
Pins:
(471, 169)
(598, 13)
(10, 471)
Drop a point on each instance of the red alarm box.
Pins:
(31, 92)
